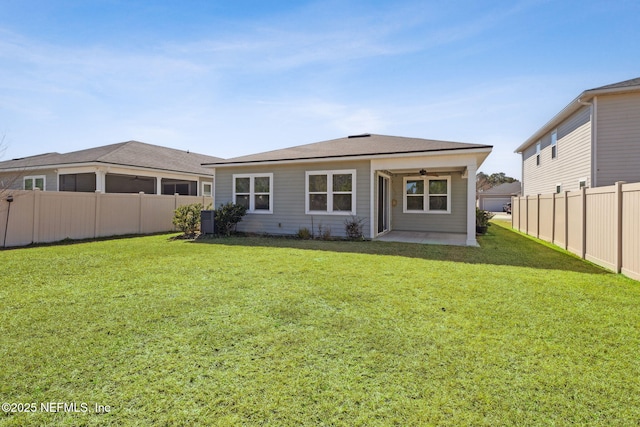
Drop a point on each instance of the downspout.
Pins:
(594, 146)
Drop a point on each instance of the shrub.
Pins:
(227, 217)
(187, 218)
(304, 233)
(324, 233)
(483, 217)
(353, 227)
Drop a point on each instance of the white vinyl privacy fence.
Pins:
(43, 216)
(600, 224)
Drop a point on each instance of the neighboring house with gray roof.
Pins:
(495, 198)
(593, 142)
(391, 183)
(126, 167)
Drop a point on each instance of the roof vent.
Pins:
(364, 135)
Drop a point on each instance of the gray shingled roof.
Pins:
(505, 188)
(627, 86)
(130, 153)
(353, 146)
(619, 85)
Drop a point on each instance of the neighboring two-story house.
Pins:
(593, 142)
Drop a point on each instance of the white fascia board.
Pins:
(573, 106)
(459, 152)
(109, 168)
(448, 160)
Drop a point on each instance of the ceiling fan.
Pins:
(423, 172)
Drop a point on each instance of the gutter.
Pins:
(572, 107)
(97, 164)
(443, 151)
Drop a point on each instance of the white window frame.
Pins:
(33, 184)
(210, 184)
(426, 195)
(558, 188)
(330, 192)
(538, 152)
(554, 144)
(252, 209)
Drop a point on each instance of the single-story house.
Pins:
(127, 167)
(388, 182)
(495, 198)
(593, 142)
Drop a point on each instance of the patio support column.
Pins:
(471, 205)
(100, 181)
(158, 185)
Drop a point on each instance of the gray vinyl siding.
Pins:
(289, 198)
(573, 161)
(15, 180)
(455, 222)
(618, 139)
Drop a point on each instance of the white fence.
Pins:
(600, 224)
(44, 216)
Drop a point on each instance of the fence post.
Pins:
(583, 205)
(526, 214)
(566, 220)
(538, 216)
(140, 213)
(35, 234)
(553, 219)
(618, 227)
(96, 224)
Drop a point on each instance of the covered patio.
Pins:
(428, 198)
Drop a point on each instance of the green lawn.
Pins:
(253, 331)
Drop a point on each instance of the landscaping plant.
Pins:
(227, 217)
(187, 219)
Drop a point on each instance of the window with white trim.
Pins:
(330, 192)
(254, 191)
(207, 189)
(538, 150)
(554, 144)
(33, 182)
(427, 194)
(558, 188)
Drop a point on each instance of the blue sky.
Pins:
(229, 78)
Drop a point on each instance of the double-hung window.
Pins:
(538, 151)
(254, 192)
(33, 182)
(554, 144)
(207, 189)
(330, 192)
(427, 194)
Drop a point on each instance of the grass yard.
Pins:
(257, 331)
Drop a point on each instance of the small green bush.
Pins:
(483, 217)
(187, 218)
(304, 233)
(227, 217)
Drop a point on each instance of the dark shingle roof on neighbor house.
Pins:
(130, 153)
(620, 85)
(352, 146)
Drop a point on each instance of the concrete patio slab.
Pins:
(426, 238)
